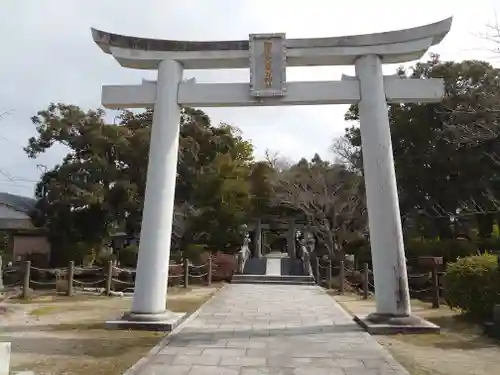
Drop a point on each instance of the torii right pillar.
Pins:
(393, 307)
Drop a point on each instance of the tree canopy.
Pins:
(99, 186)
(446, 156)
(445, 153)
(328, 196)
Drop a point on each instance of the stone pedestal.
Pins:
(166, 321)
(387, 324)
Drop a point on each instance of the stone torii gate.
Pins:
(291, 229)
(268, 56)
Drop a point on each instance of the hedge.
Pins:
(450, 250)
(472, 284)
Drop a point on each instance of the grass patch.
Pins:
(44, 310)
(187, 305)
(54, 298)
(57, 308)
(457, 332)
(179, 300)
(76, 347)
(69, 327)
(179, 289)
(461, 348)
(104, 355)
(409, 363)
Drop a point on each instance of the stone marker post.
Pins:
(4, 358)
(1, 275)
(26, 279)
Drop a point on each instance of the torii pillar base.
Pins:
(164, 322)
(386, 324)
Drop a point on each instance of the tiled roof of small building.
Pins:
(17, 202)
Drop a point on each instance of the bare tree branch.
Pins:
(276, 161)
(345, 153)
(331, 200)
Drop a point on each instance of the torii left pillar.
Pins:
(150, 294)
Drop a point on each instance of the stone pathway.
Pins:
(273, 330)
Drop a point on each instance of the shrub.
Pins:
(104, 257)
(128, 256)
(450, 250)
(193, 252)
(488, 244)
(224, 265)
(472, 285)
(360, 248)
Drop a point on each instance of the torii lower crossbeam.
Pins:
(347, 91)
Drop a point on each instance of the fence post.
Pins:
(365, 281)
(316, 269)
(71, 275)
(342, 277)
(109, 277)
(330, 277)
(186, 272)
(26, 280)
(435, 283)
(209, 278)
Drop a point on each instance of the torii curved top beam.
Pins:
(393, 47)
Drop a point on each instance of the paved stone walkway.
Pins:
(272, 330)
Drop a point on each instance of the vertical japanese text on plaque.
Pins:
(267, 65)
(268, 75)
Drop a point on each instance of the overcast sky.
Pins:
(49, 56)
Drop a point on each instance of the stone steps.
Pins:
(292, 267)
(272, 282)
(255, 266)
(272, 279)
(275, 269)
